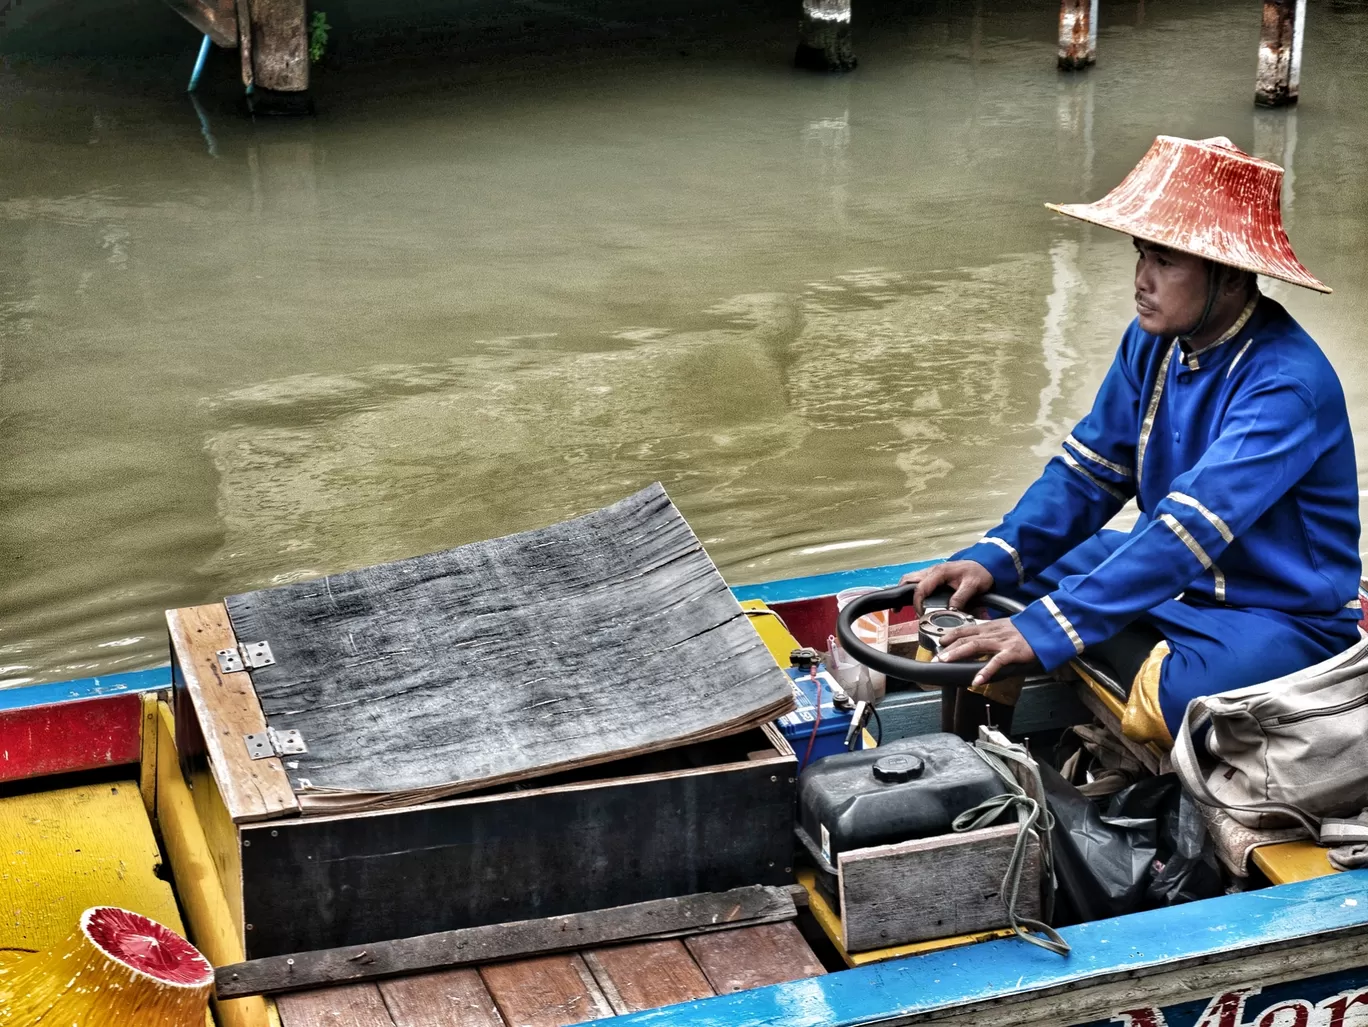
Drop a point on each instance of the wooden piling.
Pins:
(1280, 49)
(824, 36)
(1077, 34)
(274, 43)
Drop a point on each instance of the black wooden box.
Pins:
(558, 721)
(708, 818)
(704, 817)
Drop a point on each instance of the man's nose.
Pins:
(1144, 282)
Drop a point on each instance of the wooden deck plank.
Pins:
(352, 1005)
(551, 991)
(501, 942)
(753, 957)
(452, 998)
(227, 709)
(647, 974)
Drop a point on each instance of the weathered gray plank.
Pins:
(753, 957)
(933, 888)
(658, 918)
(603, 637)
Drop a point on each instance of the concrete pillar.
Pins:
(274, 42)
(1077, 34)
(1280, 49)
(824, 36)
(1275, 139)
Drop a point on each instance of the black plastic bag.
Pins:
(1149, 849)
(1102, 864)
(1188, 871)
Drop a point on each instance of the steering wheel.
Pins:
(935, 621)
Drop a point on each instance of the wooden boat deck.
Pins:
(566, 988)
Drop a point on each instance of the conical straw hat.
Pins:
(1208, 198)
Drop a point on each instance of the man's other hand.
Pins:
(999, 640)
(966, 577)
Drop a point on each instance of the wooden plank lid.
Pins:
(603, 637)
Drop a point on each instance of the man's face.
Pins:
(1170, 289)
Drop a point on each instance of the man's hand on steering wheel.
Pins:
(966, 577)
(999, 640)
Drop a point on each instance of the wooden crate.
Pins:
(939, 887)
(701, 818)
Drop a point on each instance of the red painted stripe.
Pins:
(65, 737)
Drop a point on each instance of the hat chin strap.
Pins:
(1213, 273)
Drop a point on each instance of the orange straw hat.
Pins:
(1208, 198)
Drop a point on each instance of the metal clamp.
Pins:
(265, 744)
(247, 654)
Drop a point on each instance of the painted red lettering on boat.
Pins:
(1278, 1016)
(1338, 1007)
(1226, 1010)
(1148, 1016)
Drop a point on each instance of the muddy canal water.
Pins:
(480, 293)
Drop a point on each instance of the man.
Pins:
(1227, 424)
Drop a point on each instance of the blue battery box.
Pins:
(798, 726)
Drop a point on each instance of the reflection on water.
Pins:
(830, 314)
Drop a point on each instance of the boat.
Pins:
(98, 813)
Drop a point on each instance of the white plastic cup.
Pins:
(872, 630)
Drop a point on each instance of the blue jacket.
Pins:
(1242, 463)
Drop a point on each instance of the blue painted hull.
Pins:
(1233, 941)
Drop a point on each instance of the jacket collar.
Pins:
(1195, 359)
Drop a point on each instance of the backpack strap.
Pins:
(1352, 831)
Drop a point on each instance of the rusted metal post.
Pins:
(1077, 34)
(824, 36)
(1280, 50)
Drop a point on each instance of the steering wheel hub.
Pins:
(934, 624)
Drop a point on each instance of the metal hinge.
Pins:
(247, 654)
(265, 744)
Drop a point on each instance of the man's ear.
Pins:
(1234, 280)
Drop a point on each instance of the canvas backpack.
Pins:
(1291, 751)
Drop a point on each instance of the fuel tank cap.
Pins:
(898, 767)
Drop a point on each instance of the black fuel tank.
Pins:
(904, 789)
